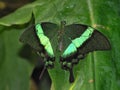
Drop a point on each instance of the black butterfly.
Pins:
(69, 43)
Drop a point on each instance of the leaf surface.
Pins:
(99, 71)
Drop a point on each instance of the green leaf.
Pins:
(99, 71)
(20, 16)
(14, 71)
(55, 13)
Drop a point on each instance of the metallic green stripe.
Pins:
(70, 49)
(39, 29)
(76, 43)
(44, 40)
(86, 35)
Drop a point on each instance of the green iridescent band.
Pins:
(76, 43)
(44, 40)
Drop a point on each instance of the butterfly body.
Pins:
(66, 43)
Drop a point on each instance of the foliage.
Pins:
(99, 71)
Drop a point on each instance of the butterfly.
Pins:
(69, 43)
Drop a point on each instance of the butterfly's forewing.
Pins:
(75, 30)
(29, 37)
(50, 30)
(96, 42)
(65, 43)
(85, 39)
(74, 33)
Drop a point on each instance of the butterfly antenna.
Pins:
(42, 72)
